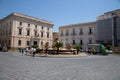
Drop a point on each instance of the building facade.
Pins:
(20, 31)
(55, 37)
(78, 34)
(108, 28)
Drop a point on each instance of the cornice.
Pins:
(79, 24)
(28, 17)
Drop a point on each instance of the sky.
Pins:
(60, 12)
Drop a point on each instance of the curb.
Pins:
(59, 56)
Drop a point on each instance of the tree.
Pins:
(34, 46)
(46, 48)
(58, 45)
(78, 48)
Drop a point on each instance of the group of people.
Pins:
(32, 51)
(91, 51)
(29, 50)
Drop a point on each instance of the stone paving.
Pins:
(16, 66)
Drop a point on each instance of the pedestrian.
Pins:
(27, 50)
(46, 48)
(31, 51)
(89, 51)
(34, 52)
(46, 51)
(22, 51)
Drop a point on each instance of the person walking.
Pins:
(34, 52)
(22, 51)
(89, 51)
(46, 48)
(46, 51)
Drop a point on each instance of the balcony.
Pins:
(35, 29)
(80, 33)
(27, 28)
(66, 34)
(19, 27)
(90, 33)
(73, 34)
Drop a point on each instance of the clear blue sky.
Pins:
(60, 12)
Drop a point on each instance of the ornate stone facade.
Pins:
(78, 34)
(20, 31)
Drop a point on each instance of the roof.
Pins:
(78, 24)
(28, 17)
(106, 13)
(112, 11)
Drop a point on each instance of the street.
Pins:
(16, 66)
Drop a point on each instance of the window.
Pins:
(81, 42)
(41, 43)
(7, 23)
(90, 30)
(35, 33)
(20, 23)
(28, 32)
(81, 31)
(35, 43)
(112, 14)
(19, 42)
(47, 35)
(56, 38)
(42, 27)
(41, 34)
(73, 31)
(73, 42)
(9, 42)
(35, 26)
(90, 41)
(6, 32)
(28, 25)
(67, 32)
(67, 40)
(20, 31)
(10, 22)
(28, 43)
(61, 32)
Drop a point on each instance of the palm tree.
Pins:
(58, 45)
(34, 46)
(78, 48)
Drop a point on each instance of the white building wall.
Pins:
(15, 20)
(77, 36)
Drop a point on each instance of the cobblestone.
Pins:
(16, 66)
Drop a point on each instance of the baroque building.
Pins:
(55, 37)
(78, 34)
(108, 28)
(20, 31)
